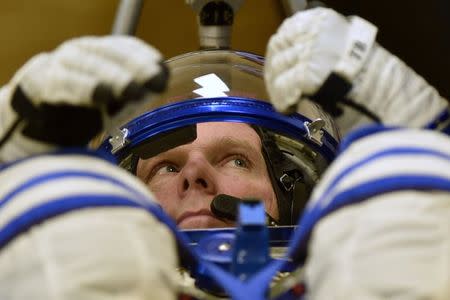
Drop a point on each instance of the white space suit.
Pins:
(100, 237)
(73, 225)
(378, 222)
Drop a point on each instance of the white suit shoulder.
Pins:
(78, 222)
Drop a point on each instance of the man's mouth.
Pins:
(193, 214)
(203, 218)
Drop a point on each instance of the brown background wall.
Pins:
(30, 26)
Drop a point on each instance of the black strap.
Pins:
(333, 92)
(10, 131)
(279, 166)
(64, 125)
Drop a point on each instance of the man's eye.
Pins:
(166, 169)
(239, 162)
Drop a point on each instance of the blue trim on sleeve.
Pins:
(356, 194)
(56, 207)
(366, 130)
(66, 174)
(397, 151)
(443, 117)
(139, 200)
(318, 209)
(65, 151)
(47, 210)
(362, 132)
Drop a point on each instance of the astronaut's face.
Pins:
(225, 158)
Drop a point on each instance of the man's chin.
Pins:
(202, 222)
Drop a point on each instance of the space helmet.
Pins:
(222, 85)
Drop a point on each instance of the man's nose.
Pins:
(197, 173)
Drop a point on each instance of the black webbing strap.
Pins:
(333, 91)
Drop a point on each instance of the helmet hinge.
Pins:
(118, 139)
(314, 130)
(289, 178)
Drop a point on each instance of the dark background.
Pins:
(416, 31)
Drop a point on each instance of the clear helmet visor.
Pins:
(226, 73)
(216, 103)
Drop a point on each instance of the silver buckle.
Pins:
(118, 139)
(314, 130)
(287, 182)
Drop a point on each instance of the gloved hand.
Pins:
(313, 44)
(67, 96)
(381, 219)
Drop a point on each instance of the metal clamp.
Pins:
(314, 130)
(287, 182)
(119, 140)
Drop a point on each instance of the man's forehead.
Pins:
(225, 127)
(227, 133)
(235, 142)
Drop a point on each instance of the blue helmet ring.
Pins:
(170, 117)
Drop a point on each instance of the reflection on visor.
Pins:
(211, 86)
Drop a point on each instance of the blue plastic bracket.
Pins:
(251, 245)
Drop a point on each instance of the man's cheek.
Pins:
(244, 188)
(263, 190)
(163, 189)
(239, 183)
(169, 209)
(166, 201)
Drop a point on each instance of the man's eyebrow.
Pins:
(218, 144)
(232, 142)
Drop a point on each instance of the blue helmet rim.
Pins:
(221, 109)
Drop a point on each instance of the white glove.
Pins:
(67, 96)
(391, 245)
(312, 44)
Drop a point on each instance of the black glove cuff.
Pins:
(332, 91)
(61, 124)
